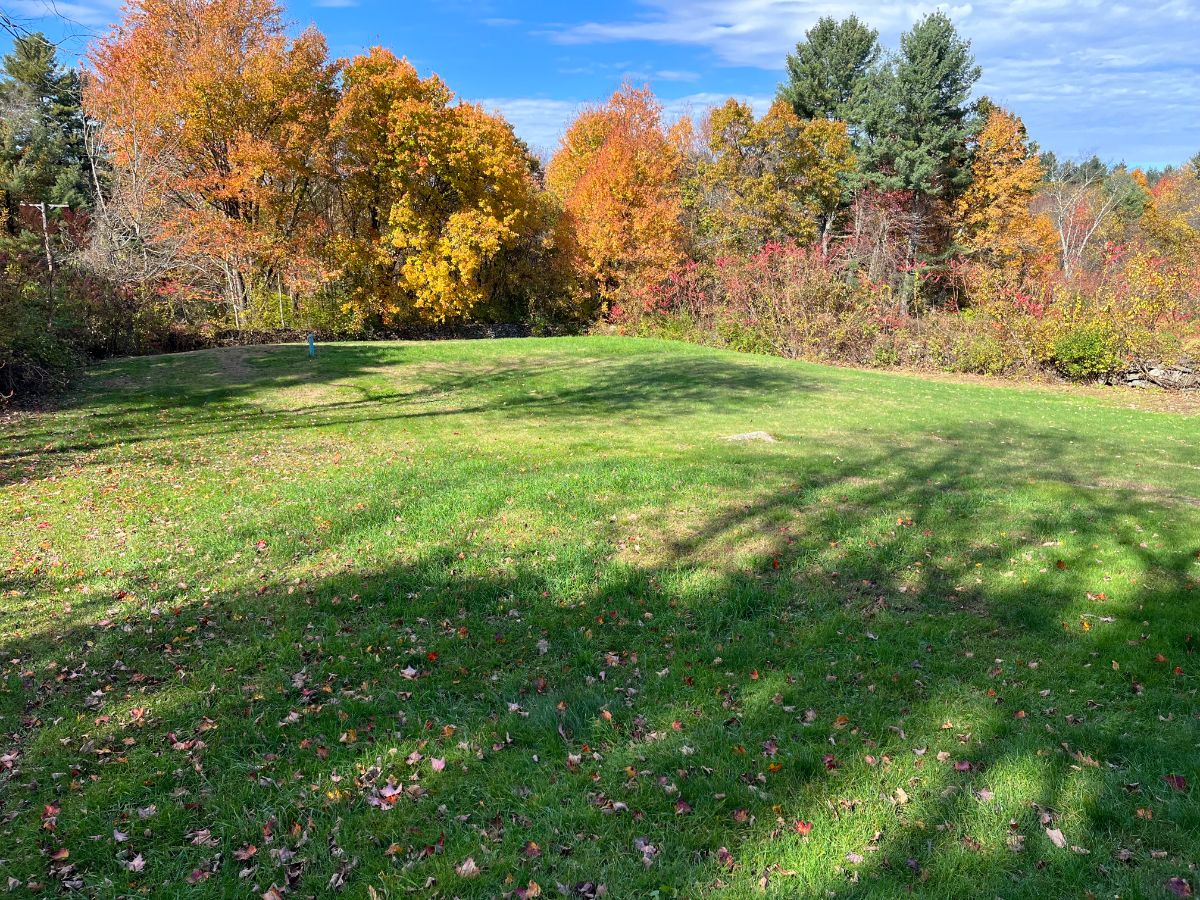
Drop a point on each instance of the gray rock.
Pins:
(753, 436)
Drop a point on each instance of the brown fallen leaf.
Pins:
(1056, 837)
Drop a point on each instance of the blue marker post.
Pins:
(312, 344)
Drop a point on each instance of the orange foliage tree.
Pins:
(233, 115)
(616, 176)
(994, 217)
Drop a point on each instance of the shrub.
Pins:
(1088, 351)
(980, 354)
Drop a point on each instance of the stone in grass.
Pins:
(753, 436)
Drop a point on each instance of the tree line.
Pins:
(204, 170)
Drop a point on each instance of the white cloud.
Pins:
(540, 122)
(1085, 74)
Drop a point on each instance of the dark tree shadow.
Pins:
(293, 703)
(124, 408)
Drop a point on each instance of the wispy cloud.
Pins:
(1079, 71)
(91, 13)
(542, 121)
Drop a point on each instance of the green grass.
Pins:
(933, 620)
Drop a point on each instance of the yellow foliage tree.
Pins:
(1171, 218)
(438, 196)
(776, 178)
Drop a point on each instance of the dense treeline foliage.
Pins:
(205, 170)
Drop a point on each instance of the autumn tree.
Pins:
(1082, 200)
(776, 178)
(437, 200)
(829, 70)
(229, 117)
(994, 213)
(616, 176)
(1171, 219)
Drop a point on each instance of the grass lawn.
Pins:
(481, 619)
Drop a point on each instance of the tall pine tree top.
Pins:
(829, 68)
(917, 116)
(42, 153)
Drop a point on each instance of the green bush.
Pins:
(980, 354)
(1088, 351)
(746, 337)
(884, 354)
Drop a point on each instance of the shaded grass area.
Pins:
(520, 603)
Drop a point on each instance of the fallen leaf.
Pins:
(467, 868)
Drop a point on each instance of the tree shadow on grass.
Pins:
(124, 412)
(855, 673)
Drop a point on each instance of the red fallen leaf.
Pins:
(682, 808)
(198, 875)
(1159, 658)
(272, 893)
(774, 564)
(725, 858)
(962, 766)
(741, 816)
(432, 656)
(1059, 564)
(1177, 782)
(43, 524)
(754, 675)
(1178, 670)
(245, 853)
(830, 762)
(1178, 886)
(803, 828)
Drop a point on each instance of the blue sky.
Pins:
(1114, 78)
